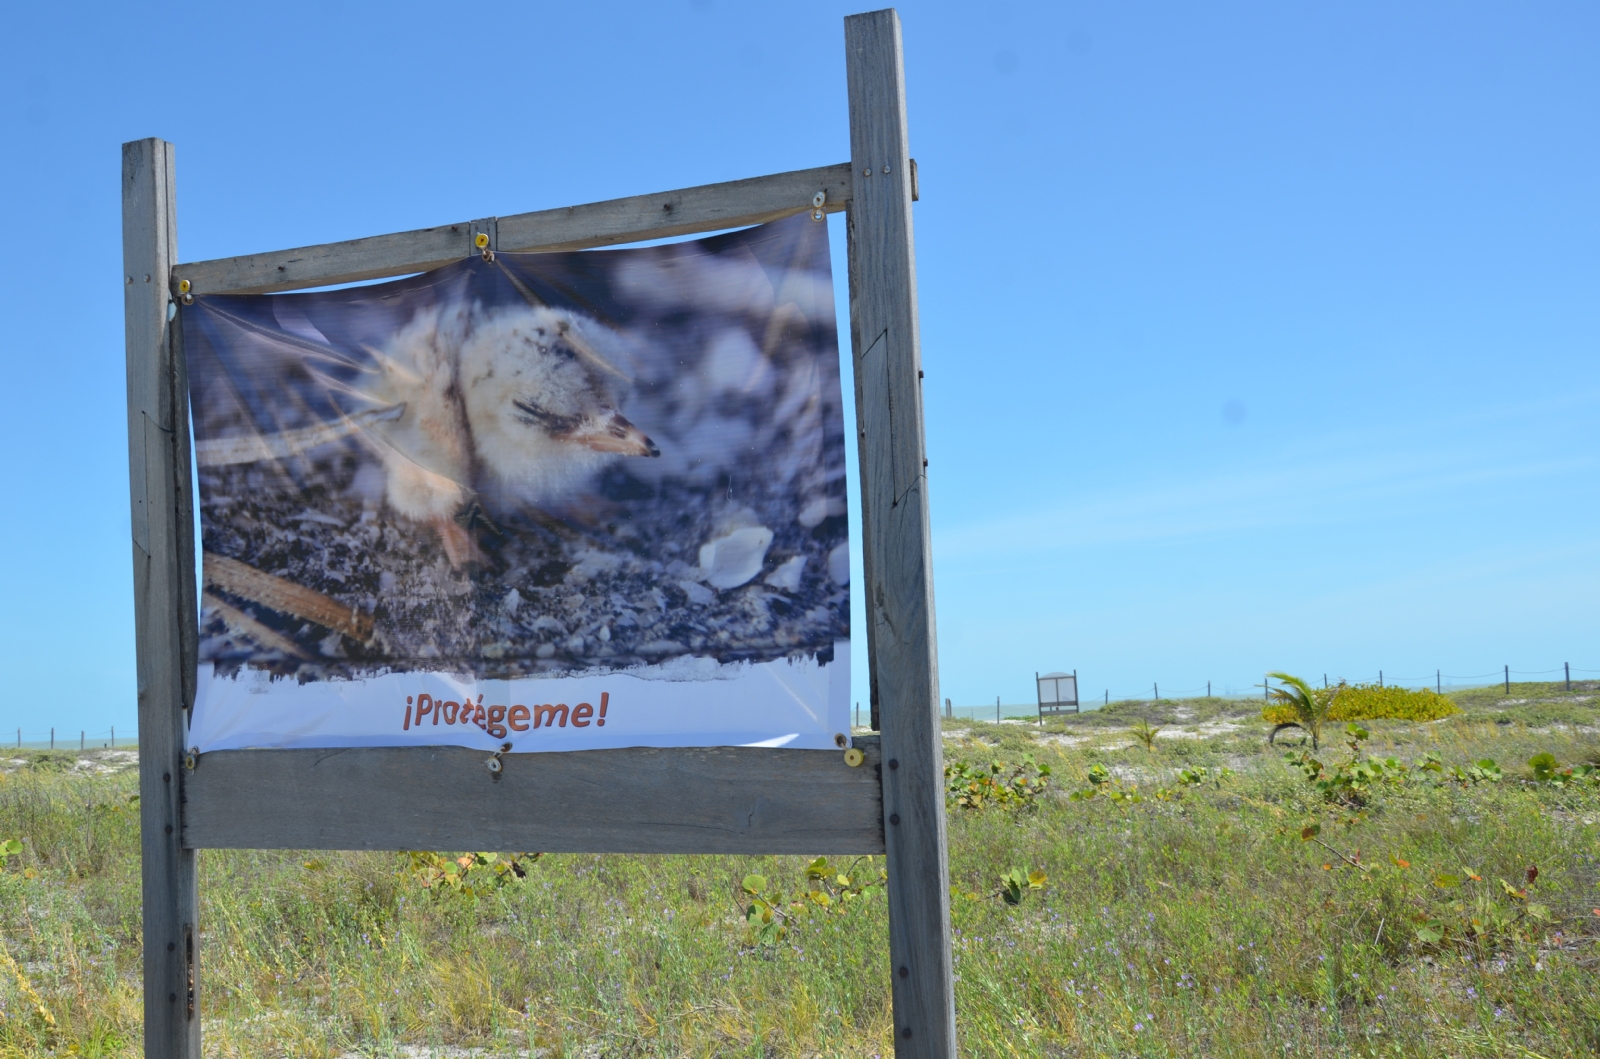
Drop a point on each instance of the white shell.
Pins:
(787, 576)
(839, 564)
(731, 560)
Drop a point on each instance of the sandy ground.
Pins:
(91, 762)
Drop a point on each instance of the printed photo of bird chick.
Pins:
(527, 463)
(512, 401)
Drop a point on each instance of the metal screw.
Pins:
(906, 1033)
(819, 198)
(886, 169)
(894, 763)
(169, 829)
(904, 973)
(493, 764)
(894, 818)
(171, 945)
(866, 172)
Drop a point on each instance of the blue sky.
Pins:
(1256, 335)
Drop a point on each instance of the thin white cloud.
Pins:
(1329, 480)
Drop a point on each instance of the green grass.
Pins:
(1194, 921)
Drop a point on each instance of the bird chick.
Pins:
(514, 401)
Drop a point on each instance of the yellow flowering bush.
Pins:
(1365, 702)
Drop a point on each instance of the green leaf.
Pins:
(10, 847)
(1430, 932)
(1447, 881)
(1310, 831)
(1036, 880)
(755, 883)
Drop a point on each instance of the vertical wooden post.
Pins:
(163, 594)
(899, 568)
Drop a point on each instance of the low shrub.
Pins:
(1003, 786)
(1370, 702)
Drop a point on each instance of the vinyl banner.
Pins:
(557, 501)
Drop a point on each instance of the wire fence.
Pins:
(1440, 681)
(82, 739)
(79, 739)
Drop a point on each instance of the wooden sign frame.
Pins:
(706, 800)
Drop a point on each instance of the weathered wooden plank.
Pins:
(710, 207)
(640, 800)
(899, 589)
(163, 583)
(733, 204)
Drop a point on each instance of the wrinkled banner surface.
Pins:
(559, 501)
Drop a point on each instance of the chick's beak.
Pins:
(613, 433)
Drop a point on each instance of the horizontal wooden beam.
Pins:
(707, 208)
(638, 800)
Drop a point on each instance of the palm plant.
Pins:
(1145, 734)
(1311, 709)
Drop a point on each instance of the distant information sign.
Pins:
(563, 501)
(1058, 692)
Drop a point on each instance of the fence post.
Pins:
(1438, 682)
(52, 739)
(1380, 678)
(1508, 678)
(897, 541)
(165, 623)
(1566, 667)
(81, 735)
(113, 737)
(1156, 688)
